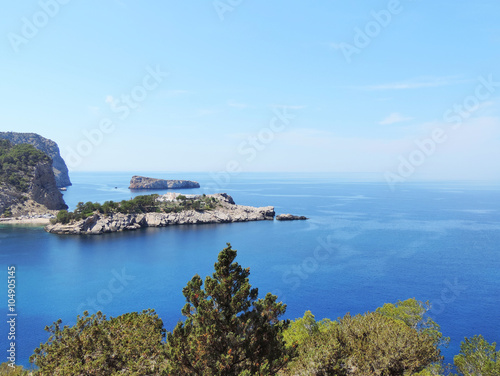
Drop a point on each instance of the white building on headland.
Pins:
(172, 196)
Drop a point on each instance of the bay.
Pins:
(364, 245)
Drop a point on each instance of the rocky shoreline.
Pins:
(226, 212)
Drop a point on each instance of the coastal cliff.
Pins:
(46, 146)
(43, 188)
(142, 182)
(226, 211)
(27, 182)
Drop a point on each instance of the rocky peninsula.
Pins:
(223, 210)
(142, 182)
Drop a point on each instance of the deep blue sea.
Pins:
(364, 245)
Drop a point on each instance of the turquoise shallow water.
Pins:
(363, 246)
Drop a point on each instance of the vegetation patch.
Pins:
(137, 205)
(17, 162)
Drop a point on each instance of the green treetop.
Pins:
(478, 357)
(228, 331)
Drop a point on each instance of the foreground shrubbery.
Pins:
(130, 343)
(6, 370)
(229, 331)
(370, 344)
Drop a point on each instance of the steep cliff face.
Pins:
(27, 181)
(8, 199)
(45, 145)
(141, 182)
(43, 188)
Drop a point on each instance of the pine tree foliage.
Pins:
(228, 331)
(478, 358)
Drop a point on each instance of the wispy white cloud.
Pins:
(466, 152)
(488, 107)
(111, 101)
(335, 46)
(394, 118)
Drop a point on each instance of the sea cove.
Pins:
(363, 245)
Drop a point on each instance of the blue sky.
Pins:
(403, 89)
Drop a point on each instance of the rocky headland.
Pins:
(46, 146)
(225, 211)
(142, 182)
(27, 182)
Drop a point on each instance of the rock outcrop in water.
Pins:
(45, 145)
(290, 217)
(27, 182)
(142, 182)
(225, 212)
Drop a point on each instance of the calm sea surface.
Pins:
(364, 245)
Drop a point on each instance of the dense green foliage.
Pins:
(7, 213)
(396, 339)
(305, 327)
(16, 163)
(227, 330)
(6, 370)
(412, 313)
(478, 357)
(130, 344)
(369, 344)
(136, 205)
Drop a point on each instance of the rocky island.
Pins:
(27, 182)
(156, 211)
(47, 147)
(142, 182)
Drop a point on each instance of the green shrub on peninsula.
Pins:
(137, 205)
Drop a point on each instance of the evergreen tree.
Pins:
(478, 357)
(228, 331)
